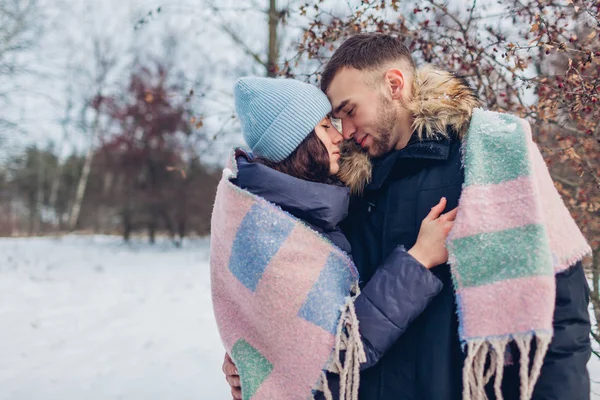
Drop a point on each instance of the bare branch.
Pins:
(565, 181)
(239, 41)
(236, 37)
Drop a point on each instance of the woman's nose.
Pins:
(336, 136)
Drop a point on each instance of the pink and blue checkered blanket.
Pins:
(279, 292)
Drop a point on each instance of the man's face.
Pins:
(367, 115)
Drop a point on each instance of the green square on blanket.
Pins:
(497, 256)
(253, 367)
(498, 157)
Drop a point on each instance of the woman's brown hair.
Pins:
(310, 161)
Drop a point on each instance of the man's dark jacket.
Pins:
(425, 363)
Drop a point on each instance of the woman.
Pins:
(288, 177)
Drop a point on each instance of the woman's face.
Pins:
(331, 138)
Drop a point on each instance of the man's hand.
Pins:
(232, 377)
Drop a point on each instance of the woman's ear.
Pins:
(394, 79)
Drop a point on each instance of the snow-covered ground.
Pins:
(92, 318)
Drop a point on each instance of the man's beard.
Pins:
(386, 120)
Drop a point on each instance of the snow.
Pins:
(92, 318)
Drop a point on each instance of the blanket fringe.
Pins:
(485, 360)
(325, 387)
(347, 338)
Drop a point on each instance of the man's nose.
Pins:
(348, 129)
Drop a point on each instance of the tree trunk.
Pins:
(152, 230)
(181, 228)
(32, 216)
(85, 174)
(56, 179)
(168, 224)
(273, 51)
(127, 224)
(54, 195)
(39, 196)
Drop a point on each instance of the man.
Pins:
(410, 123)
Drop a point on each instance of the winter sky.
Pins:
(62, 64)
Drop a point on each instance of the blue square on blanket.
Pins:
(258, 239)
(327, 296)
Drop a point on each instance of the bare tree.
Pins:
(104, 62)
(269, 57)
(18, 32)
(20, 26)
(65, 123)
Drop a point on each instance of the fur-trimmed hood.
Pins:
(442, 105)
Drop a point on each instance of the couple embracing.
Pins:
(421, 252)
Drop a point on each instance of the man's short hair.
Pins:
(366, 51)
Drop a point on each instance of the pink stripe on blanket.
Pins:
(272, 387)
(298, 375)
(558, 220)
(281, 384)
(488, 211)
(478, 306)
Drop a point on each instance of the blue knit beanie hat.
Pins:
(278, 114)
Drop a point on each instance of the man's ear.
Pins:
(394, 79)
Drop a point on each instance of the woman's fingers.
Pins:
(234, 381)
(229, 367)
(232, 377)
(436, 210)
(448, 227)
(450, 215)
(236, 393)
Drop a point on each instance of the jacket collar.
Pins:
(321, 205)
(428, 149)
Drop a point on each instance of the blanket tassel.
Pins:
(485, 360)
(348, 339)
